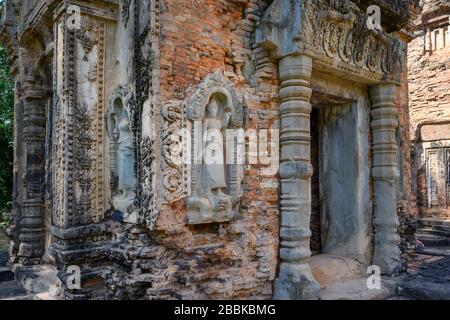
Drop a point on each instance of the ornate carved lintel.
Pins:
(336, 35)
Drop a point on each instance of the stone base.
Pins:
(203, 217)
(356, 289)
(328, 269)
(387, 257)
(30, 254)
(38, 279)
(296, 282)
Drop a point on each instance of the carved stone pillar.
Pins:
(31, 221)
(385, 174)
(295, 280)
(82, 88)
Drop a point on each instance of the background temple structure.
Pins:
(429, 61)
(107, 91)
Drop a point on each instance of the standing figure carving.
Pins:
(215, 111)
(123, 157)
(211, 201)
(125, 161)
(214, 159)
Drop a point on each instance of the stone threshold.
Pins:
(356, 289)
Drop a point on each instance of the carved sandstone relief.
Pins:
(122, 127)
(173, 168)
(214, 110)
(79, 121)
(338, 29)
(146, 36)
(336, 35)
(147, 117)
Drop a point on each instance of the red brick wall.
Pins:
(236, 259)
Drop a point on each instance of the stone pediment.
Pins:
(336, 35)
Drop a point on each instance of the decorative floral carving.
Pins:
(147, 182)
(79, 126)
(126, 11)
(173, 184)
(88, 34)
(173, 114)
(146, 30)
(338, 30)
(83, 163)
(335, 33)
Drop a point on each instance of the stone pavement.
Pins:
(30, 283)
(9, 289)
(12, 290)
(428, 277)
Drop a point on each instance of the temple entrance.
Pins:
(341, 211)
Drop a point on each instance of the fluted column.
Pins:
(295, 279)
(385, 174)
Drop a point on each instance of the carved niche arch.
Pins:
(122, 120)
(216, 83)
(216, 115)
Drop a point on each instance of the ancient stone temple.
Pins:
(429, 91)
(209, 149)
(429, 63)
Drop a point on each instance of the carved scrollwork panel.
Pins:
(336, 35)
(147, 182)
(146, 36)
(79, 178)
(337, 29)
(174, 170)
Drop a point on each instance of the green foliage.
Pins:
(6, 136)
(5, 220)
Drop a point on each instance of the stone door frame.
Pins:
(344, 175)
(303, 36)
